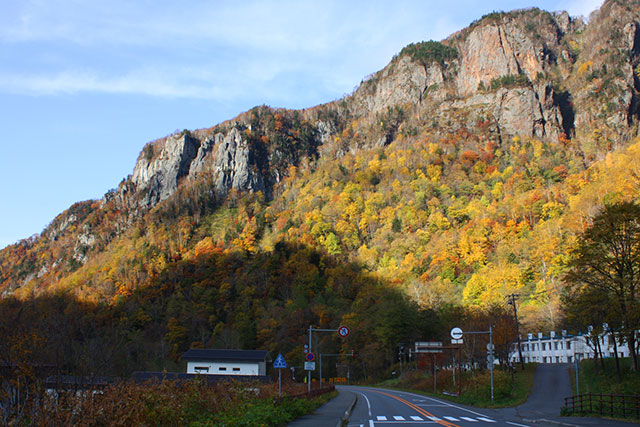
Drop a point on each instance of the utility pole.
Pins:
(511, 300)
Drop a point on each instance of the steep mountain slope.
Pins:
(459, 172)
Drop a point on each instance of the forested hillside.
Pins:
(459, 174)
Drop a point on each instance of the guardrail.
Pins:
(614, 405)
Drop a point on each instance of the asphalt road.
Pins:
(383, 407)
(377, 407)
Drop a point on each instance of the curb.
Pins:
(347, 413)
(545, 421)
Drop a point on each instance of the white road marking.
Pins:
(451, 418)
(368, 403)
(398, 417)
(381, 418)
(471, 420)
(487, 420)
(442, 402)
(434, 419)
(516, 424)
(416, 418)
(371, 423)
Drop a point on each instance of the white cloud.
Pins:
(580, 7)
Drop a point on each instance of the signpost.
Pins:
(430, 347)
(456, 333)
(280, 364)
(309, 365)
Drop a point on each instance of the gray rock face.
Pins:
(203, 158)
(232, 166)
(402, 82)
(159, 175)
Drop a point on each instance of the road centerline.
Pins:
(417, 409)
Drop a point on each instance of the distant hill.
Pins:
(459, 173)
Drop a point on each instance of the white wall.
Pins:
(223, 368)
(564, 349)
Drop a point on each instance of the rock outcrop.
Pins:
(232, 166)
(158, 175)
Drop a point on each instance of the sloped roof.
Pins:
(227, 355)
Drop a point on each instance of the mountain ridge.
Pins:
(546, 88)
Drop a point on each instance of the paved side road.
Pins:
(551, 385)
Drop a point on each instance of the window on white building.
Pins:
(222, 368)
(236, 369)
(568, 345)
(199, 369)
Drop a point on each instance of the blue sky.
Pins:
(85, 84)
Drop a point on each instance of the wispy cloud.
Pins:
(580, 7)
(212, 50)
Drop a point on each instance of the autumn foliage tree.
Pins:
(607, 259)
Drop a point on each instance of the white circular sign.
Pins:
(343, 331)
(491, 347)
(456, 333)
(491, 358)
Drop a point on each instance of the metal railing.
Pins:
(613, 405)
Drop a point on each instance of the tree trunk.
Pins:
(615, 350)
(596, 352)
(631, 342)
(599, 350)
(601, 356)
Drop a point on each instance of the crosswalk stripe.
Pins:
(471, 420)
(398, 418)
(486, 420)
(434, 418)
(416, 418)
(451, 418)
(382, 418)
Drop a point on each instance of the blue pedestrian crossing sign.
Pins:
(279, 363)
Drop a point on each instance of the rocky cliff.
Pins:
(526, 73)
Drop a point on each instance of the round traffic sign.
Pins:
(491, 347)
(310, 357)
(343, 331)
(456, 333)
(491, 358)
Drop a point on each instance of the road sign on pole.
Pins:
(309, 366)
(309, 357)
(343, 331)
(456, 333)
(279, 363)
(428, 347)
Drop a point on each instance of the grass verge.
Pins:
(510, 389)
(605, 381)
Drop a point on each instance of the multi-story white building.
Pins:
(565, 348)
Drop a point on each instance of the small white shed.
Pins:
(226, 362)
